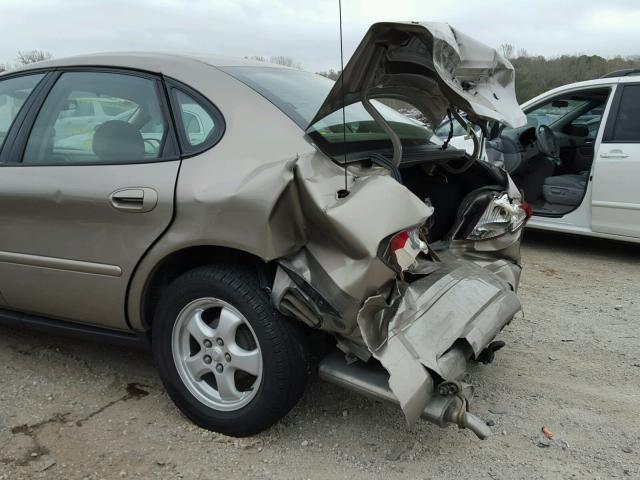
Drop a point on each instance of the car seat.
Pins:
(565, 189)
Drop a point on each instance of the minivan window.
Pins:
(627, 126)
(552, 111)
(13, 93)
(591, 119)
(96, 117)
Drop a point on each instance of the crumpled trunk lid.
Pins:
(432, 66)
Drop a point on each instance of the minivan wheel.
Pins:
(227, 358)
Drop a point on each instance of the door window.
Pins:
(94, 117)
(550, 112)
(13, 94)
(627, 123)
(591, 120)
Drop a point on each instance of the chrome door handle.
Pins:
(614, 154)
(137, 200)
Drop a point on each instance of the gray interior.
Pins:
(565, 189)
(554, 184)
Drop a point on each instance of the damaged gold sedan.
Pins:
(275, 211)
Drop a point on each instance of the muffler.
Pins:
(447, 405)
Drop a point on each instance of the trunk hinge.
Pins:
(379, 119)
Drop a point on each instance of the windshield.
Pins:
(300, 94)
(550, 112)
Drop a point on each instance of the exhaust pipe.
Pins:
(373, 382)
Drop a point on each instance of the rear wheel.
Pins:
(227, 358)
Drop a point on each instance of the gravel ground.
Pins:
(74, 410)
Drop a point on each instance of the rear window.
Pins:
(300, 94)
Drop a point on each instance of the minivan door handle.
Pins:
(134, 200)
(617, 153)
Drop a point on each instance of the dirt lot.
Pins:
(75, 410)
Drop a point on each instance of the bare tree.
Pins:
(507, 50)
(285, 61)
(32, 56)
(257, 58)
(277, 59)
(332, 74)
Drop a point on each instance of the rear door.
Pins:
(15, 90)
(616, 174)
(82, 202)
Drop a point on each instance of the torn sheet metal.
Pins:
(421, 321)
(337, 283)
(431, 66)
(325, 282)
(448, 308)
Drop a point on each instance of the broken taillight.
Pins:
(405, 247)
(502, 215)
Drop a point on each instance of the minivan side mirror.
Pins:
(576, 130)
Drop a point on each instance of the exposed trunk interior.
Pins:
(446, 191)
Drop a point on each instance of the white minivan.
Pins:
(578, 158)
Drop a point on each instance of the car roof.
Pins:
(598, 82)
(156, 62)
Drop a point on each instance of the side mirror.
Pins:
(577, 130)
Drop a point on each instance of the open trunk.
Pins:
(411, 258)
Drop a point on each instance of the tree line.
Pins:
(536, 74)
(25, 58)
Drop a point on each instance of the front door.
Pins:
(86, 188)
(616, 175)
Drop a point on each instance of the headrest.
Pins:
(116, 140)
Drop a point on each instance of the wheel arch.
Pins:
(175, 263)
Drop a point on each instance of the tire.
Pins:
(215, 392)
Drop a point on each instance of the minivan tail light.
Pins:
(502, 215)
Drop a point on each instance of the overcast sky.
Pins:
(307, 30)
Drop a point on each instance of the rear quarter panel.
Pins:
(224, 196)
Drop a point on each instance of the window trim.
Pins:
(612, 118)
(220, 125)
(170, 150)
(32, 98)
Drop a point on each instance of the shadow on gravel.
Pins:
(90, 354)
(580, 245)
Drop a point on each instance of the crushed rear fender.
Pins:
(424, 328)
